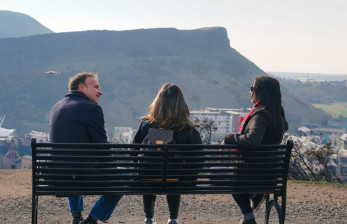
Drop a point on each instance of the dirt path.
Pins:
(306, 203)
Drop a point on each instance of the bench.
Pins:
(68, 169)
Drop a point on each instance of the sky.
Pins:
(304, 36)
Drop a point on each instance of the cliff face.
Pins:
(116, 44)
(132, 65)
(14, 24)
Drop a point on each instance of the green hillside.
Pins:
(317, 92)
(336, 110)
(132, 66)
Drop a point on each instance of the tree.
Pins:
(311, 161)
(207, 126)
(321, 156)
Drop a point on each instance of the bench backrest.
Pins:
(66, 169)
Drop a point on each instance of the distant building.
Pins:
(40, 136)
(304, 130)
(329, 130)
(305, 80)
(12, 159)
(5, 133)
(323, 134)
(225, 120)
(339, 122)
(310, 125)
(341, 143)
(328, 133)
(338, 83)
(342, 165)
(13, 155)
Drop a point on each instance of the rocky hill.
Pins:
(14, 24)
(132, 66)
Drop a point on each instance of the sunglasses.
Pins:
(252, 88)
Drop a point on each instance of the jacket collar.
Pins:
(76, 93)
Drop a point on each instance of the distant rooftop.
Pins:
(211, 110)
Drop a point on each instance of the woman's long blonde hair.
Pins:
(169, 109)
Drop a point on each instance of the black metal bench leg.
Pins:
(35, 200)
(274, 203)
(283, 209)
(267, 208)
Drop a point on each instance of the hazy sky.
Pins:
(308, 36)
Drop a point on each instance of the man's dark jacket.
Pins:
(76, 119)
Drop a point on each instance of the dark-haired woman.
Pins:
(169, 111)
(264, 124)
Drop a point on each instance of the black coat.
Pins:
(184, 136)
(76, 119)
(257, 131)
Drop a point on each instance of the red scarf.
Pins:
(244, 119)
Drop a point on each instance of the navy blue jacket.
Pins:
(76, 119)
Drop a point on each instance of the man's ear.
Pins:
(81, 88)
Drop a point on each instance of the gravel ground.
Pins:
(306, 203)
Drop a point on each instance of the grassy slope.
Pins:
(338, 109)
